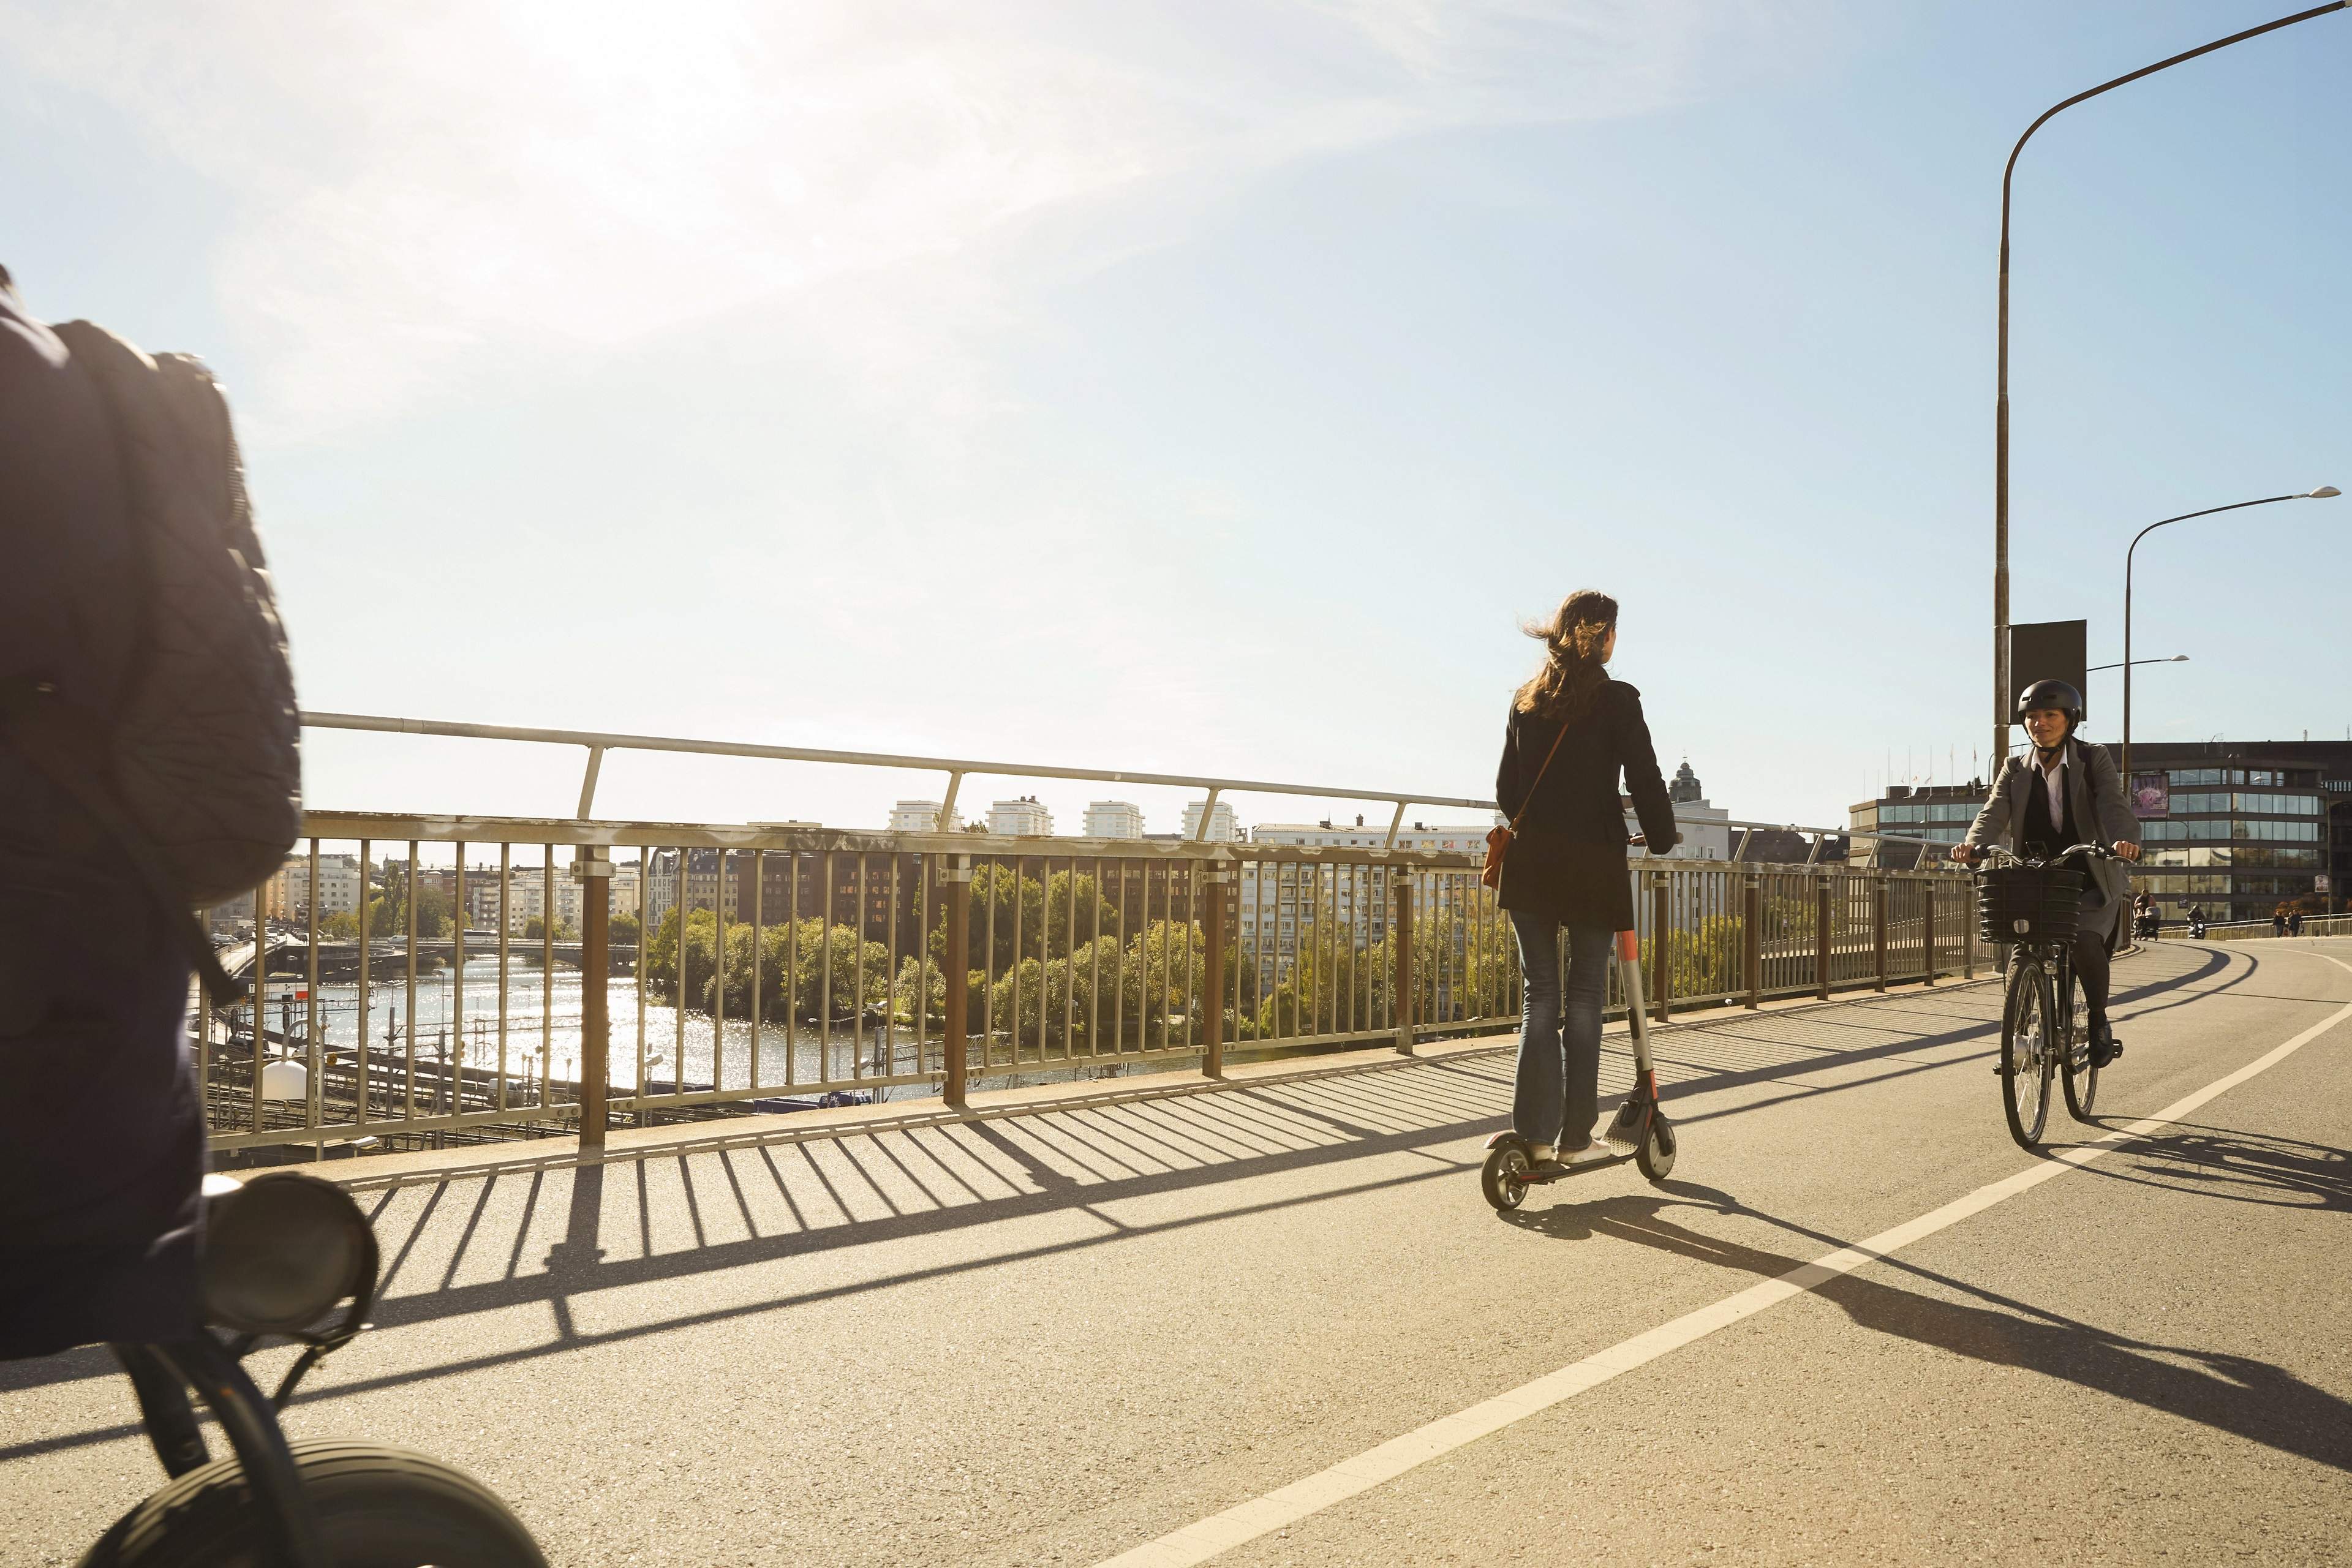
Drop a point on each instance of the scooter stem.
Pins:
(1629, 968)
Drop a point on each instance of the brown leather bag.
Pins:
(1498, 840)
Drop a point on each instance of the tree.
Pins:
(622, 931)
(388, 911)
(341, 926)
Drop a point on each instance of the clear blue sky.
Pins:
(1213, 387)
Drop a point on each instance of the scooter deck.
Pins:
(1578, 1169)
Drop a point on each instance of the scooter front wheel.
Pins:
(1505, 1174)
(377, 1508)
(1655, 1153)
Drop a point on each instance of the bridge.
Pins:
(1270, 1319)
(1154, 1243)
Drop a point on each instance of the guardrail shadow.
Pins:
(2242, 1395)
(551, 1236)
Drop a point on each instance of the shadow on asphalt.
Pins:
(2238, 1395)
(2235, 1166)
(1128, 1149)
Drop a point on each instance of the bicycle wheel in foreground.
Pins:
(2082, 1071)
(378, 1508)
(2025, 1052)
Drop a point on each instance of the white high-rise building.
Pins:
(1221, 822)
(1114, 819)
(917, 816)
(1024, 818)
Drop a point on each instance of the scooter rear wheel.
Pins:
(1504, 1175)
(377, 1508)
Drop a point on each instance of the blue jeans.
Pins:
(1559, 1035)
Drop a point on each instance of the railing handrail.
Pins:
(598, 742)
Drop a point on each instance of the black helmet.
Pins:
(2054, 694)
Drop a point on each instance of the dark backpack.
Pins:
(198, 775)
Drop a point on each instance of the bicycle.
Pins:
(2030, 908)
(281, 1251)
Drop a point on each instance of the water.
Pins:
(528, 1003)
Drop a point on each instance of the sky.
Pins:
(1214, 389)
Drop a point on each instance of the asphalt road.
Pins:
(1057, 1339)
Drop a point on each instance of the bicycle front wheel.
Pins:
(2082, 1068)
(2026, 1052)
(377, 1508)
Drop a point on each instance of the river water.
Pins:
(528, 1005)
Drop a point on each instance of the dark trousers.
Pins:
(2090, 955)
(1559, 1074)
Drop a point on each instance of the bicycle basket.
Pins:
(2029, 903)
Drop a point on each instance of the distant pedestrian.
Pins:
(2294, 924)
(2278, 923)
(1571, 734)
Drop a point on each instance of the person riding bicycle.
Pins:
(2066, 792)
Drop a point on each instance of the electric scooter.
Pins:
(1640, 1130)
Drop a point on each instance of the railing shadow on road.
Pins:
(2241, 1395)
(856, 1191)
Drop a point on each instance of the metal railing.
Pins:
(2251, 930)
(596, 743)
(808, 964)
(772, 968)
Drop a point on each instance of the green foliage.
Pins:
(622, 929)
(341, 926)
(388, 911)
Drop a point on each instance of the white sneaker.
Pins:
(1539, 1152)
(1591, 1152)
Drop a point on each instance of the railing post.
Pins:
(1751, 920)
(1212, 982)
(1927, 926)
(1878, 923)
(595, 870)
(1968, 948)
(1401, 939)
(955, 879)
(1822, 938)
(1661, 904)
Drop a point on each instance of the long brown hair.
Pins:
(1571, 674)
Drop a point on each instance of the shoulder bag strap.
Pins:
(1538, 781)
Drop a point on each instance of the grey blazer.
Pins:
(2096, 792)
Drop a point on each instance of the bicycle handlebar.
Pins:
(2095, 851)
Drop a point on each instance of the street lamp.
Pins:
(2176, 658)
(2001, 692)
(2322, 493)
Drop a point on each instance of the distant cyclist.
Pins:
(2066, 792)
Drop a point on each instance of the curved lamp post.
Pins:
(2001, 693)
(2321, 493)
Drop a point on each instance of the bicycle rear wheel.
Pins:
(2082, 1068)
(2026, 1051)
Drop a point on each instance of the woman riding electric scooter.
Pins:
(1572, 732)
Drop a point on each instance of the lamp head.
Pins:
(2321, 493)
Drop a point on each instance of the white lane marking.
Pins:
(1204, 1539)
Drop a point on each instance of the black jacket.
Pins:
(1568, 860)
(102, 1143)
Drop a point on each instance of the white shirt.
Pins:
(2053, 781)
